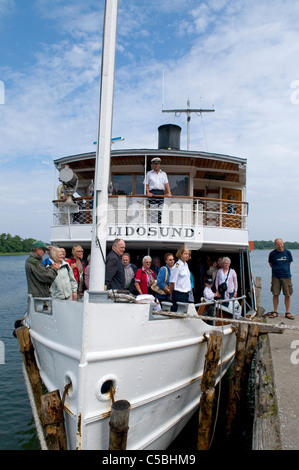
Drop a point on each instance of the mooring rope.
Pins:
(39, 429)
(219, 392)
(219, 384)
(226, 320)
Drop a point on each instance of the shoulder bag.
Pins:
(156, 288)
(222, 288)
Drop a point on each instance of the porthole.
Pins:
(70, 381)
(105, 387)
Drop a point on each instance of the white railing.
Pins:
(174, 211)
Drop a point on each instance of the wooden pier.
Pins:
(276, 423)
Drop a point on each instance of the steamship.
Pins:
(94, 346)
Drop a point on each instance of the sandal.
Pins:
(273, 315)
(289, 316)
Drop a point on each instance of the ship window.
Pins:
(179, 184)
(139, 184)
(126, 184)
(122, 184)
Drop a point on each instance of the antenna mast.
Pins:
(102, 170)
(188, 111)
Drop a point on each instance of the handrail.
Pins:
(220, 301)
(177, 210)
(196, 198)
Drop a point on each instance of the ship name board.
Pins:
(152, 232)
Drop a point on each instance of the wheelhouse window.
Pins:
(127, 184)
(139, 184)
(122, 184)
(179, 184)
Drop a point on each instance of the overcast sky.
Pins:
(240, 57)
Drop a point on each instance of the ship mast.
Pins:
(103, 154)
(188, 111)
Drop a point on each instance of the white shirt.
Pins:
(180, 276)
(156, 180)
(208, 293)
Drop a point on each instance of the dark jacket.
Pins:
(114, 276)
(39, 278)
(132, 287)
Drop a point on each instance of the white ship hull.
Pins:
(155, 363)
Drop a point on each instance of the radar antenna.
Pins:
(188, 111)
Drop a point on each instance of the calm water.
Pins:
(17, 430)
(16, 424)
(261, 268)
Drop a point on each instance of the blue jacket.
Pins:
(163, 280)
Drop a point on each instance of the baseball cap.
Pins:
(40, 244)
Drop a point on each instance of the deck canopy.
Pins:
(207, 166)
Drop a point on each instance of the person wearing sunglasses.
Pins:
(164, 277)
(144, 277)
(78, 266)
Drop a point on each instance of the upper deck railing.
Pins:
(174, 211)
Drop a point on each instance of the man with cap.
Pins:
(156, 182)
(39, 277)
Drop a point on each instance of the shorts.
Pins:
(285, 284)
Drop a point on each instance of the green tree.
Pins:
(15, 244)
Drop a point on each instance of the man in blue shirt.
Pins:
(280, 260)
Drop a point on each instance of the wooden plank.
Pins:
(247, 337)
(236, 384)
(53, 421)
(208, 390)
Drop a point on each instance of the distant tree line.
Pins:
(269, 245)
(16, 244)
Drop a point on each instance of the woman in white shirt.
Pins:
(180, 282)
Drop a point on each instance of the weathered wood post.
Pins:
(258, 289)
(119, 420)
(236, 385)
(208, 390)
(27, 350)
(247, 336)
(53, 421)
